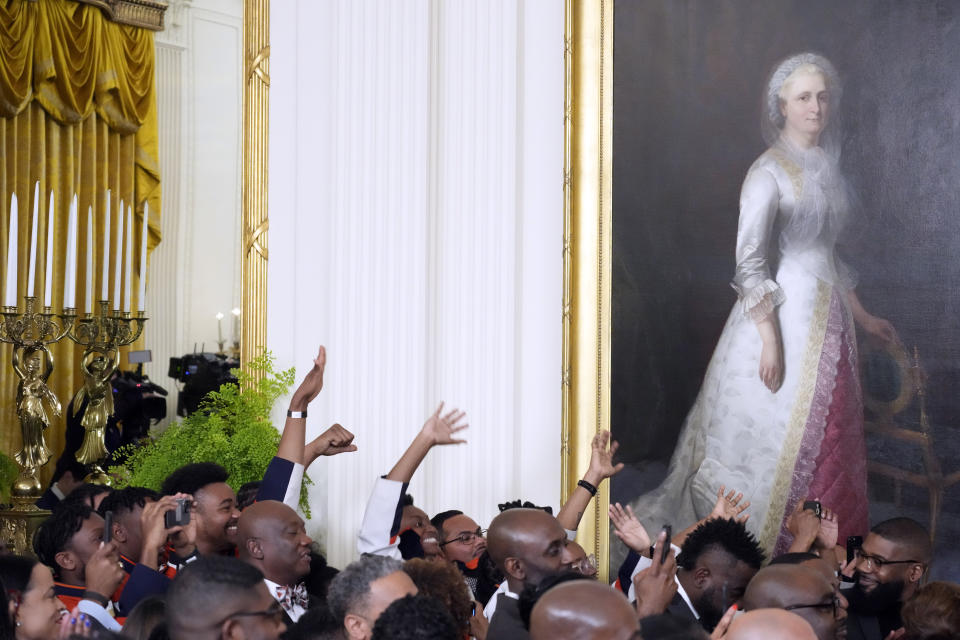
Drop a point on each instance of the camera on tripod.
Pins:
(200, 374)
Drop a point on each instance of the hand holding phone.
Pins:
(665, 551)
(815, 506)
(178, 517)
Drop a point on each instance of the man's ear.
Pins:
(231, 630)
(66, 560)
(701, 576)
(356, 626)
(915, 573)
(254, 548)
(119, 532)
(515, 568)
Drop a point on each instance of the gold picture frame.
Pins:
(587, 247)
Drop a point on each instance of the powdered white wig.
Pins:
(772, 119)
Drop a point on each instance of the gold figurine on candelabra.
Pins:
(33, 366)
(102, 334)
(29, 333)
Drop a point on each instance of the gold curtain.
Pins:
(78, 114)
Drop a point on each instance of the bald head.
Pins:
(763, 624)
(582, 609)
(271, 536)
(804, 587)
(526, 544)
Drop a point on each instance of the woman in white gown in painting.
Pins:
(779, 415)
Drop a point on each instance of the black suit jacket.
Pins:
(679, 607)
(506, 623)
(863, 627)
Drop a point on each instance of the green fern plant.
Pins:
(232, 427)
(9, 470)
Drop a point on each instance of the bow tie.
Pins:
(290, 596)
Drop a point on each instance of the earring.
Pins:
(18, 623)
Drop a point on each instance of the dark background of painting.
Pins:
(688, 79)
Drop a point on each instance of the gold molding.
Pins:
(147, 14)
(256, 224)
(587, 245)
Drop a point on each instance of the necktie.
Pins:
(290, 596)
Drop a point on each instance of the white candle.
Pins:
(70, 273)
(219, 328)
(105, 278)
(236, 324)
(48, 249)
(117, 270)
(32, 270)
(128, 272)
(10, 292)
(142, 293)
(88, 302)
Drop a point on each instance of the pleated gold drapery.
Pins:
(78, 113)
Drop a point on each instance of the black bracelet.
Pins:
(99, 598)
(589, 487)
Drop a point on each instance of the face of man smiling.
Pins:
(216, 513)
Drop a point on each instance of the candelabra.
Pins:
(30, 332)
(102, 334)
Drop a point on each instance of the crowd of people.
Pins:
(127, 562)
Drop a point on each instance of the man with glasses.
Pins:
(527, 546)
(219, 597)
(799, 589)
(887, 571)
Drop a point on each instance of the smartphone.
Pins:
(666, 545)
(814, 506)
(853, 543)
(107, 526)
(179, 516)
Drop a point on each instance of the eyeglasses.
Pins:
(467, 537)
(585, 566)
(877, 563)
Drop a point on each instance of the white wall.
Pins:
(416, 218)
(195, 270)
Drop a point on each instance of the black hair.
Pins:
(145, 617)
(316, 624)
(526, 504)
(906, 533)
(247, 494)
(204, 586)
(729, 536)
(531, 594)
(126, 500)
(190, 478)
(415, 618)
(406, 500)
(68, 462)
(438, 520)
(86, 492)
(797, 557)
(15, 574)
(318, 580)
(54, 534)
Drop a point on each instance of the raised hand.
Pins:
(440, 429)
(628, 528)
(654, 587)
(804, 525)
(104, 571)
(601, 459)
(829, 531)
(729, 506)
(312, 383)
(334, 440)
(73, 624)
